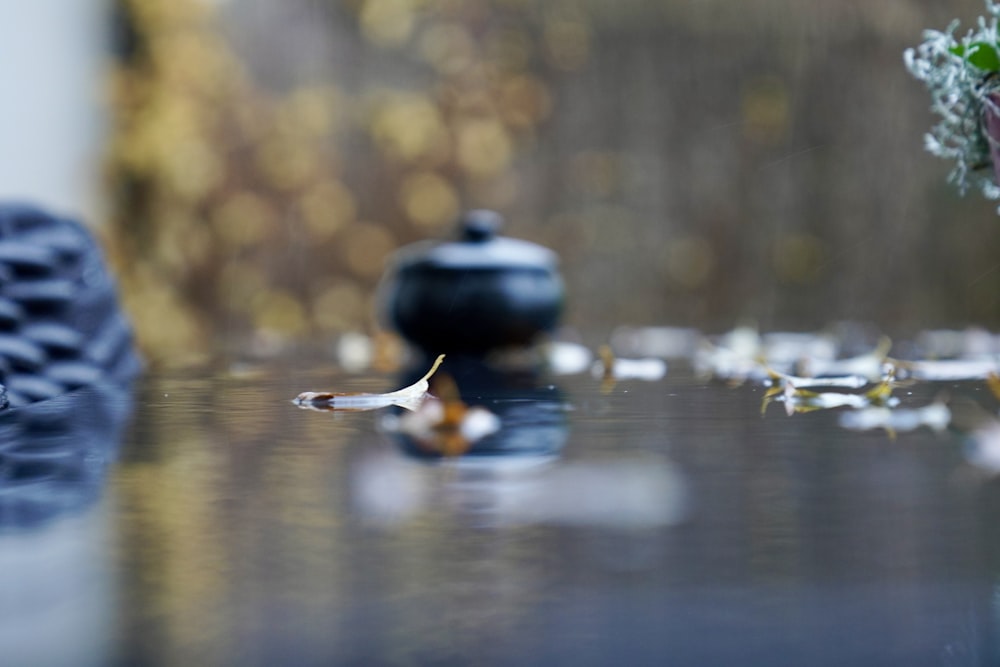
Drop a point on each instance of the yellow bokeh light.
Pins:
(387, 23)
(409, 127)
(799, 258)
(286, 164)
(243, 219)
(484, 147)
(365, 246)
(448, 47)
(524, 101)
(567, 41)
(428, 199)
(690, 261)
(308, 112)
(238, 282)
(279, 312)
(326, 208)
(340, 307)
(765, 110)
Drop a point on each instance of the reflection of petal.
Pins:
(522, 490)
(935, 416)
(984, 447)
(388, 489)
(948, 369)
(563, 358)
(627, 493)
(432, 424)
(632, 369)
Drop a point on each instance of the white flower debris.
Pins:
(744, 356)
(960, 94)
(565, 358)
(736, 357)
(947, 370)
(611, 367)
(798, 399)
(827, 382)
(984, 447)
(871, 365)
(408, 397)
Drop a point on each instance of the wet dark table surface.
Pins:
(662, 523)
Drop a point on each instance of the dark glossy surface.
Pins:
(676, 526)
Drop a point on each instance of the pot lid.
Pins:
(478, 247)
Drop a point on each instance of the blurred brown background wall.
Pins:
(694, 163)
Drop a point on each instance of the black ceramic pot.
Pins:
(477, 294)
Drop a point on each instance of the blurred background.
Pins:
(251, 164)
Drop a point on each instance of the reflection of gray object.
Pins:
(54, 454)
(476, 294)
(60, 325)
(66, 358)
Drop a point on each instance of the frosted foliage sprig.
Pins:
(960, 92)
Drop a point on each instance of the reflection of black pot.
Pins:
(532, 415)
(54, 454)
(476, 294)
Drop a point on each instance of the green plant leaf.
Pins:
(982, 55)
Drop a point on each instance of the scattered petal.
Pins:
(948, 370)
(611, 368)
(408, 397)
(936, 416)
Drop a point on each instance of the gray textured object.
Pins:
(60, 323)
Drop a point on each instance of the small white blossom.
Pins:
(960, 93)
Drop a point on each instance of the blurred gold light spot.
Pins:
(285, 164)
(567, 40)
(387, 23)
(509, 48)
(243, 219)
(197, 244)
(192, 169)
(428, 199)
(278, 311)
(339, 307)
(237, 284)
(484, 147)
(326, 208)
(798, 258)
(447, 47)
(524, 101)
(164, 324)
(365, 246)
(409, 127)
(690, 261)
(765, 110)
(309, 112)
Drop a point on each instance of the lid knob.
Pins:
(480, 225)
